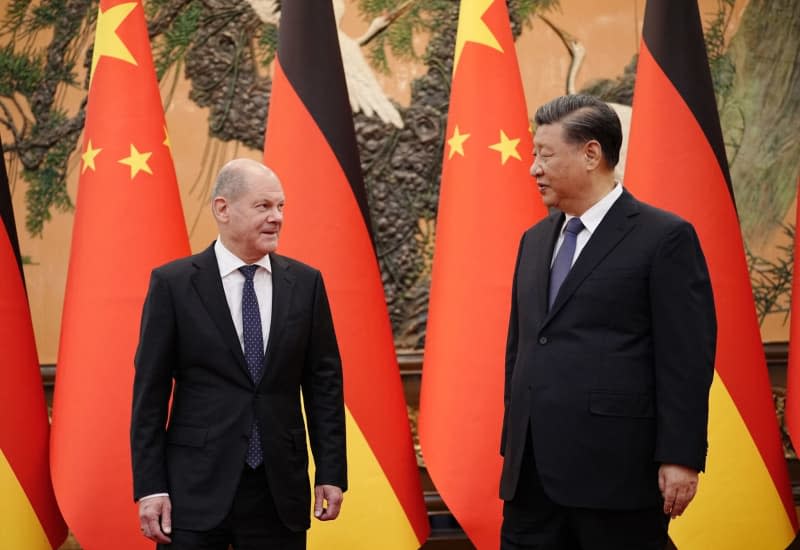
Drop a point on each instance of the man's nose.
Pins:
(536, 168)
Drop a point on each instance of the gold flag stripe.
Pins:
(19, 525)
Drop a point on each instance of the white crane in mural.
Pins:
(266, 10)
(363, 88)
(577, 52)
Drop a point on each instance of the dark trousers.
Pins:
(531, 521)
(251, 524)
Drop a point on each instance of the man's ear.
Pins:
(593, 154)
(219, 207)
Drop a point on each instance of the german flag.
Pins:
(310, 144)
(29, 516)
(676, 160)
(486, 201)
(128, 220)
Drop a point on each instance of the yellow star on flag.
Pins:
(107, 42)
(506, 147)
(166, 141)
(471, 28)
(88, 157)
(137, 161)
(456, 143)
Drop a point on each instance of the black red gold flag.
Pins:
(29, 516)
(676, 160)
(310, 144)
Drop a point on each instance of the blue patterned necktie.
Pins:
(253, 353)
(563, 261)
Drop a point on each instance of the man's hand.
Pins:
(330, 494)
(155, 518)
(678, 486)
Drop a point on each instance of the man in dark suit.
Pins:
(232, 335)
(610, 352)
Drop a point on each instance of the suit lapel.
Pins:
(282, 286)
(615, 225)
(208, 284)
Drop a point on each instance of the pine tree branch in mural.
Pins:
(771, 279)
(44, 134)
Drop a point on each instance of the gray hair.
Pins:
(232, 180)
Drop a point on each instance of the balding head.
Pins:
(233, 177)
(248, 206)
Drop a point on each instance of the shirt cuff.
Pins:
(154, 495)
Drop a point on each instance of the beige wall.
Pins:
(609, 30)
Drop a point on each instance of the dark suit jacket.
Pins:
(188, 338)
(614, 379)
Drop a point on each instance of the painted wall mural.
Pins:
(214, 57)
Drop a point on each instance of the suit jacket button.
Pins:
(543, 340)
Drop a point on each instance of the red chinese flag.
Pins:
(676, 160)
(487, 200)
(128, 220)
(29, 516)
(310, 144)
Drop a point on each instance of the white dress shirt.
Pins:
(233, 283)
(591, 219)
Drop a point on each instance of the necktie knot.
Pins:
(248, 271)
(574, 226)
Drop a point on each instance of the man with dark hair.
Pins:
(610, 352)
(230, 338)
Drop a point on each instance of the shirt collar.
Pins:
(229, 262)
(594, 215)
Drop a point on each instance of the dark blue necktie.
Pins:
(563, 261)
(253, 353)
